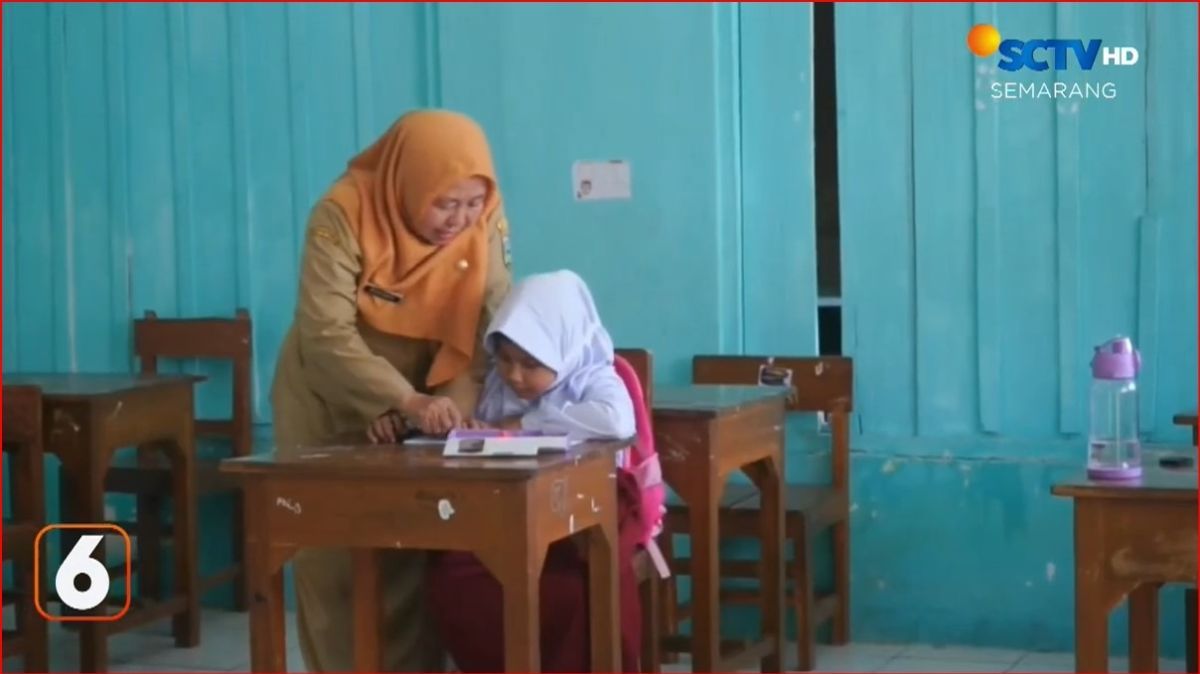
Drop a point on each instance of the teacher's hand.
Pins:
(386, 429)
(434, 415)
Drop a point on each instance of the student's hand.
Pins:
(386, 429)
(434, 415)
(475, 425)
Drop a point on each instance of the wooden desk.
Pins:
(85, 419)
(371, 497)
(1129, 541)
(1189, 595)
(704, 434)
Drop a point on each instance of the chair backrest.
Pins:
(818, 384)
(643, 364)
(633, 367)
(229, 339)
(23, 433)
(629, 374)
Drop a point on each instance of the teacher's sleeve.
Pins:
(465, 388)
(338, 364)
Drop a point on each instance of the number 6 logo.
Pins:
(79, 563)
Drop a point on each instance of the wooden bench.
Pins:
(26, 485)
(822, 385)
(157, 339)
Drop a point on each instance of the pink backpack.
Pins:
(641, 460)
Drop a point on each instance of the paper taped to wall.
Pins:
(601, 180)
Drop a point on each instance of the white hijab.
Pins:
(553, 318)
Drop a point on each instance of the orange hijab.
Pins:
(429, 292)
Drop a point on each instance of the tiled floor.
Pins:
(225, 648)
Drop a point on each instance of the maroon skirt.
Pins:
(467, 606)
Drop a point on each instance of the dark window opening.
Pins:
(829, 272)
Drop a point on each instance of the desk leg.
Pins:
(519, 570)
(366, 611)
(1091, 630)
(264, 581)
(88, 506)
(1092, 592)
(768, 477)
(186, 626)
(706, 606)
(1143, 629)
(267, 637)
(603, 596)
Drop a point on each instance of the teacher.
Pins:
(405, 260)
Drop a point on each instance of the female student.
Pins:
(404, 264)
(553, 371)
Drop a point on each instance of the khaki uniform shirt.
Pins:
(336, 374)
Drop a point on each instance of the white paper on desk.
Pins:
(425, 441)
(601, 180)
(506, 446)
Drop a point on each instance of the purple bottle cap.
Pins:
(1116, 359)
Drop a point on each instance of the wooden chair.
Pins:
(22, 407)
(648, 579)
(818, 385)
(157, 339)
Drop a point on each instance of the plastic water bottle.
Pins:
(1114, 449)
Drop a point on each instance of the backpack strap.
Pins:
(642, 461)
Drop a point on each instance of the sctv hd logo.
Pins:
(1040, 55)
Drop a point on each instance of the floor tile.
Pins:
(906, 664)
(149, 668)
(226, 648)
(963, 654)
(1065, 662)
(1045, 662)
(853, 657)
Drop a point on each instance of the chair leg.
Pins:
(841, 580)
(149, 526)
(802, 598)
(1189, 621)
(241, 593)
(668, 598)
(149, 546)
(31, 625)
(651, 624)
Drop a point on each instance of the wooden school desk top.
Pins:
(87, 417)
(1156, 483)
(712, 400)
(77, 386)
(1130, 538)
(410, 462)
(383, 497)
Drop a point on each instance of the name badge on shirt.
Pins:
(505, 246)
(381, 294)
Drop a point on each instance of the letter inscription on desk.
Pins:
(347, 508)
